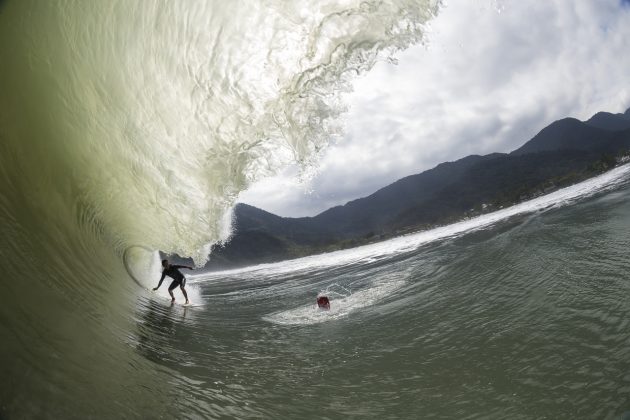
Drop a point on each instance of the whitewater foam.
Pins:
(340, 306)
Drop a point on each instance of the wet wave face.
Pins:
(128, 127)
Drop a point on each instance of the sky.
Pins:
(490, 75)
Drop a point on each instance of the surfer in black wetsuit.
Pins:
(178, 278)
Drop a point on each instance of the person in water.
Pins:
(323, 302)
(172, 271)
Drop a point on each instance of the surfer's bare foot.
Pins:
(187, 301)
(173, 300)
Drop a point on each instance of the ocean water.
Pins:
(516, 314)
(128, 127)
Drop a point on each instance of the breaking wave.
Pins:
(143, 121)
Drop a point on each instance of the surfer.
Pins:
(172, 271)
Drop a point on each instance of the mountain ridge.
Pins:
(564, 152)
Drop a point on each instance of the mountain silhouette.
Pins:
(565, 152)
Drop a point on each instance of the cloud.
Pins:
(493, 74)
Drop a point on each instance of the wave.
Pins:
(128, 127)
(146, 120)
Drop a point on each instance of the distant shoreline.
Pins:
(597, 168)
(415, 239)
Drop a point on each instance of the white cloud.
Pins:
(493, 75)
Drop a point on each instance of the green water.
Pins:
(523, 318)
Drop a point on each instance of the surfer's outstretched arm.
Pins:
(161, 280)
(182, 266)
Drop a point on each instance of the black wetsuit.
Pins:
(173, 272)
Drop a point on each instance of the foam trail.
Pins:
(339, 308)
